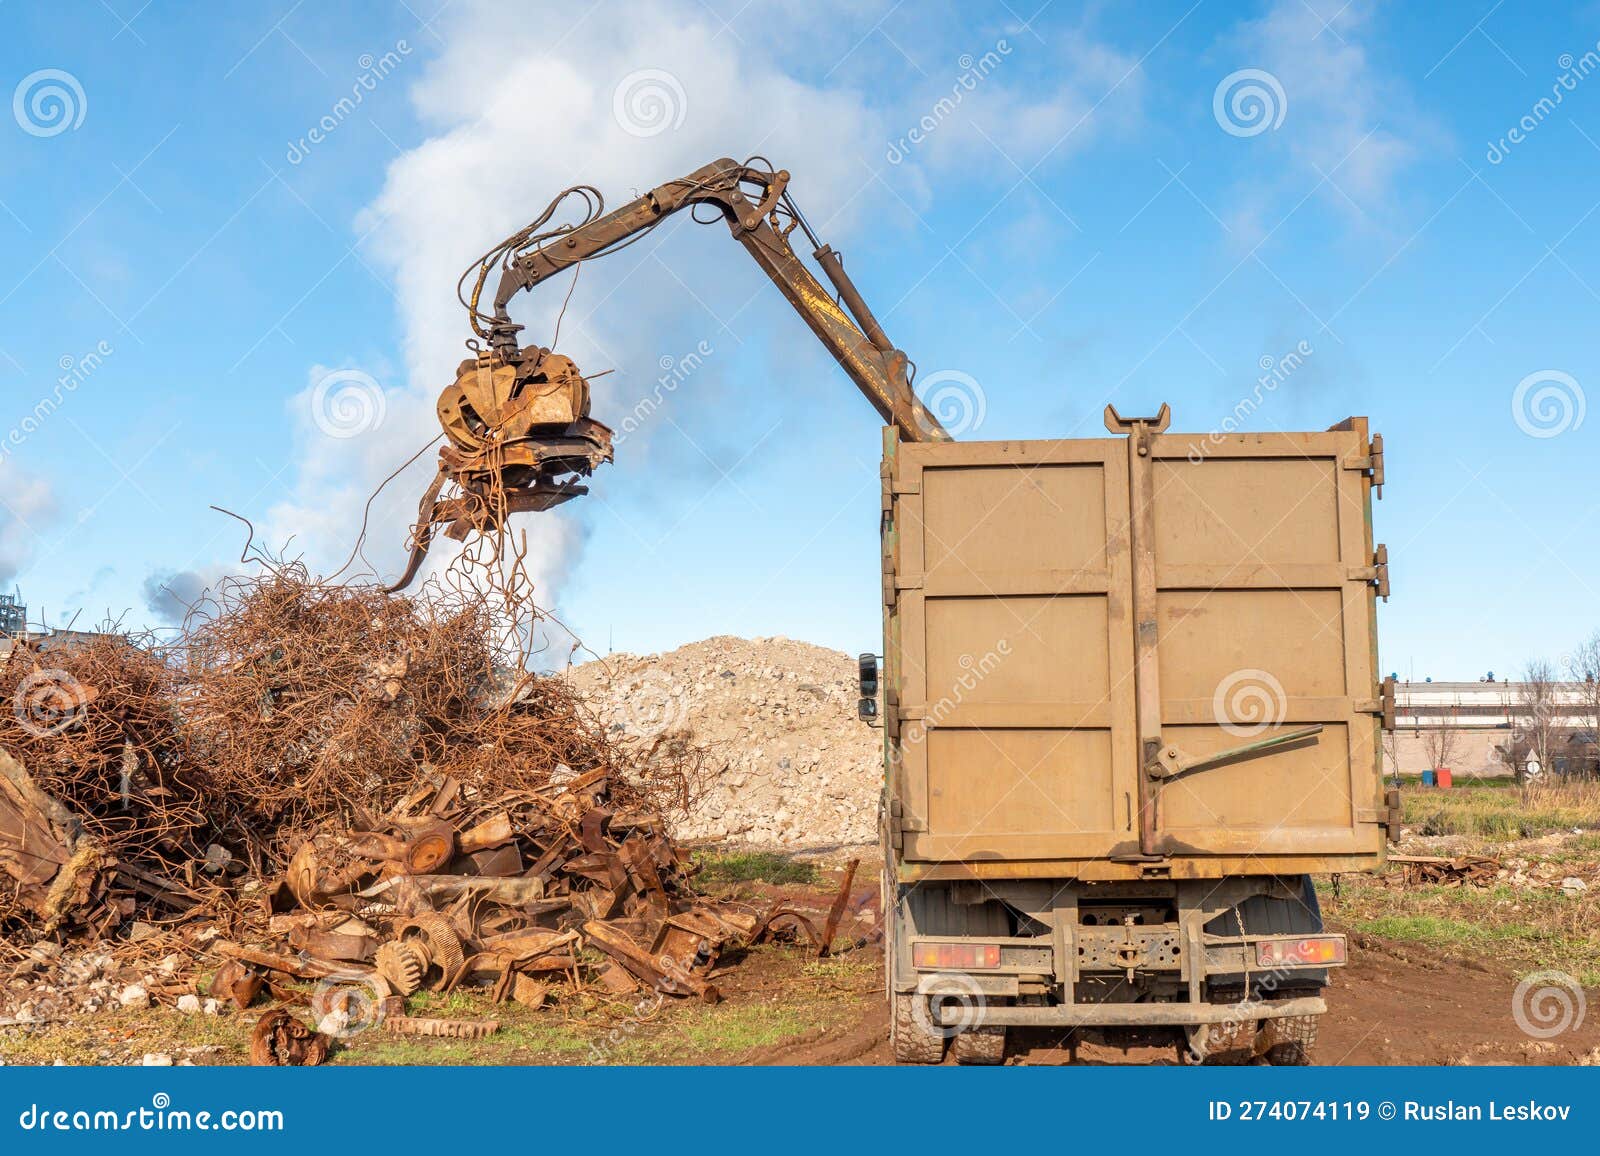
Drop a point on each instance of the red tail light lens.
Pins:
(955, 956)
(1317, 952)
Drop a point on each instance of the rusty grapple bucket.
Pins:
(519, 436)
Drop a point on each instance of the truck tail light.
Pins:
(1300, 952)
(955, 956)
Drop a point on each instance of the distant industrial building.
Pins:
(14, 629)
(1487, 722)
(13, 616)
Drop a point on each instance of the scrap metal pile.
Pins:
(1455, 871)
(335, 784)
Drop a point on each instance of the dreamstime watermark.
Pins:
(1249, 102)
(345, 1004)
(955, 398)
(1573, 71)
(49, 102)
(346, 403)
(1548, 403)
(675, 974)
(374, 70)
(973, 672)
(49, 702)
(74, 372)
(1247, 702)
(1247, 1011)
(1275, 371)
(657, 705)
(160, 1116)
(674, 372)
(1548, 1003)
(948, 1003)
(974, 70)
(649, 102)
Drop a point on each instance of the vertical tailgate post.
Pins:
(1141, 548)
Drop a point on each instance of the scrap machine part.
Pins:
(442, 944)
(430, 848)
(403, 963)
(448, 1029)
(280, 1040)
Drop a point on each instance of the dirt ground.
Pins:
(1396, 1003)
(1393, 1005)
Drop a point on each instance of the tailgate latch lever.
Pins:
(1172, 762)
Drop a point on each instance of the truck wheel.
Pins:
(1289, 1041)
(980, 1046)
(911, 1036)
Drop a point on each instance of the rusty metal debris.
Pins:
(55, 869)
(449, 1029)
(329, 785)
(280, 1040)
(836, 912)
(1457, 871)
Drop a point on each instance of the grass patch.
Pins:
(731, 1028)
(1526, 929)
(753, 867)
(792, 995)
(1504, 812)
(121, 1036)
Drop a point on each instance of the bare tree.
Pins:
(1391, 748)
(1440, 743)
(1585, 672)
(1538, 711)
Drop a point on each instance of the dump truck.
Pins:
(1130, 707)
(1128, 685)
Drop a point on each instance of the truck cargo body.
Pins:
(1130, 704)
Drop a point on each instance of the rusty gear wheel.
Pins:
(443, 945)
(403, 964)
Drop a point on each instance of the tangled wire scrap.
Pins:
(287, 705)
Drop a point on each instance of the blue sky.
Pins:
(1086, 223)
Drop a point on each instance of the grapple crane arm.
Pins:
(517, 417)
(762, 220)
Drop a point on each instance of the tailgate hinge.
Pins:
(1377, 573)
(1382, 705)
(1370, 464)
(1389, 815)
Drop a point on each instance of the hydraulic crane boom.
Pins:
(517, 417)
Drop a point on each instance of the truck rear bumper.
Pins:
(1106, 1015)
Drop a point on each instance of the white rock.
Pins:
(156, 1060)
(1572, 885)
(211, 1007)
(134, 995)
(189, 1004)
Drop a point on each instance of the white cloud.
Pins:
(1344, 116)
(27, 506)
(986, 110)
(505, 138)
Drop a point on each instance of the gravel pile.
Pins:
(791, 766)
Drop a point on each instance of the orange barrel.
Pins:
(1444, 777)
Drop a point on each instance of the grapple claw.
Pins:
(519, 438)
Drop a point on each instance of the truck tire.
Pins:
(980, 1046)
(1290, 1040)
(912, 1038)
